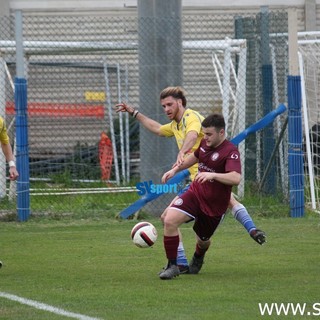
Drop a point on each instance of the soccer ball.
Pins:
(144, 234)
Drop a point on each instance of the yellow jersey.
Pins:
(191, 121)
(4, 138)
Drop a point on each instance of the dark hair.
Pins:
(175, 92)
(214, 120)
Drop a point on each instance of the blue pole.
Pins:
(295, 148)
(22, 147)
(22, 150)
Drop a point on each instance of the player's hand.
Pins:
(123, 107)
(204, 176)
(169, 174)
(13, 173)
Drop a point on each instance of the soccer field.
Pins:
(90, 269)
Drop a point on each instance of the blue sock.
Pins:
(241, 214)
(181, 257)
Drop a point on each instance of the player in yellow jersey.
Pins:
(185, 126)
(7, 151)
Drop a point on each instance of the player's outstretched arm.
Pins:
(148, 123)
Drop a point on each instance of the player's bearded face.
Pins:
(213, 137)
(171, 107)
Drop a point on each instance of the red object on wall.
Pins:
(55, 109)
(105, 156)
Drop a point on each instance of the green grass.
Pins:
(80, 206)
(90, 266)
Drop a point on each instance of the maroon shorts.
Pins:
(204, 225)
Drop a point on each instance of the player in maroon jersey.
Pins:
(208, 197)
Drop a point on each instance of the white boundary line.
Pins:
(45, 307)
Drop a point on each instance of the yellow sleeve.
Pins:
(194, 121)
(4, 138)
(166, 130)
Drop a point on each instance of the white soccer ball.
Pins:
(144, 234)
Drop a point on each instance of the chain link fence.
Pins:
(78, 67)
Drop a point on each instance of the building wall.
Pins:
(308, 10)
(95, 4)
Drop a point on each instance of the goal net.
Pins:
(309, 62)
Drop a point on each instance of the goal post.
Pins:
(309, 60)
(232, 87)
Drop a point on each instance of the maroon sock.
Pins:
(171, 246)
(200, 252)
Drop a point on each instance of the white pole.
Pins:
(258, 116)
(241, 105)
(226, 86)
(9, 46)
(113, 140)
(306, 132)
(233, 72)
(278, 123)
(127, 130)
(235, 111)
(216, 71)
(123, 167)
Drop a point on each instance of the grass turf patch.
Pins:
(91, 267)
